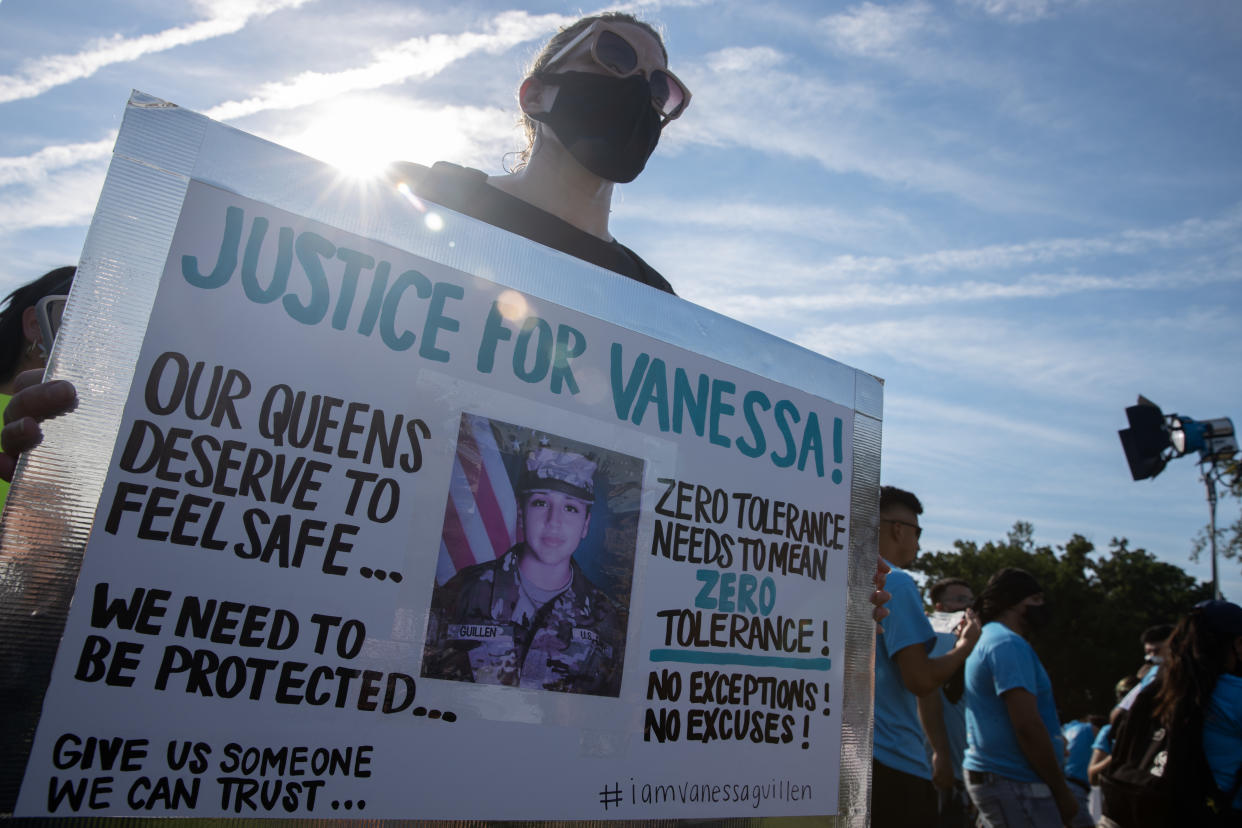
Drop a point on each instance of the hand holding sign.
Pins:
(34, 402)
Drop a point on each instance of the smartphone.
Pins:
(49, 310)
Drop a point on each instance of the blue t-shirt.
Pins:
(954, 712)
(898, 734)
(1079, 737)
(1002, 661)
(1222, 733)
(1104, 740)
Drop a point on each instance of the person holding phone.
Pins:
(25, 333)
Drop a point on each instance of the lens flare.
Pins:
(512, 306)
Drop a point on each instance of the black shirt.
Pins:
(466, 191)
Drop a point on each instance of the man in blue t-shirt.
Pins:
(1013, 753)
(1079, 736)
(902, 790)
(951, 597)
(1101, 754)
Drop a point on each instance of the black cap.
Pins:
(1005, 589)
(1222, 616)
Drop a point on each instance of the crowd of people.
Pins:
(967, 730)
(966, 727)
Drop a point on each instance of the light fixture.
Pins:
(1153, 439)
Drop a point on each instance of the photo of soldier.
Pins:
(547, 606)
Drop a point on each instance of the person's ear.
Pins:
(536, 97)
(884, 538)
(30, 326)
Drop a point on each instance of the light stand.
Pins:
(1210, 480)
(1153, 439)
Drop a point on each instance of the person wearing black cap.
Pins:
(1197, 694)
(531, 618)
(1013, 764)
(1222, 723)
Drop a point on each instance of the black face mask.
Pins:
(607, 123)
(1038, 616)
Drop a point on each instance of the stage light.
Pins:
(1213, 439)
(1153, 439)
(1145, 440)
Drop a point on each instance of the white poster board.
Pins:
(303, 591)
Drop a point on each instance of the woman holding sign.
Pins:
(594, 104)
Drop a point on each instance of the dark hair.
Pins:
(1005, 589)
(1156, 634)
(12, 337)
(891, 496)
(558, 42)
(938, 588)
(1198, 651)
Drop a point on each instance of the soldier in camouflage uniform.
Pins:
(531, 618)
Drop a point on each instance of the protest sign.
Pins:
(385, 532)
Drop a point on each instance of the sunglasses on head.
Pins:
(611, 51)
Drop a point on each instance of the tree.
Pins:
(1101, 605)
(1228, 538)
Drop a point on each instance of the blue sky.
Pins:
(1020, 213)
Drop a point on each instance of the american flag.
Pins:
(480, 519)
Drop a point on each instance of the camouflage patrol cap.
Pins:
(559, 471)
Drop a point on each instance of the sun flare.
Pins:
(362, 135)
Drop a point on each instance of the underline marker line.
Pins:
(742, 659)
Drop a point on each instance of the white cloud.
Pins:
(874, 30)
(420, 57)
(922, 42)
(66, 199)
(852, 296)
(35, 167)
(1087, 358)
(1126, 242)
(808, 221)
(744, 59)
(224, 17)
(976, 421)
(415, 57)
(843, 127)
(1016, 11)
(734, 241)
